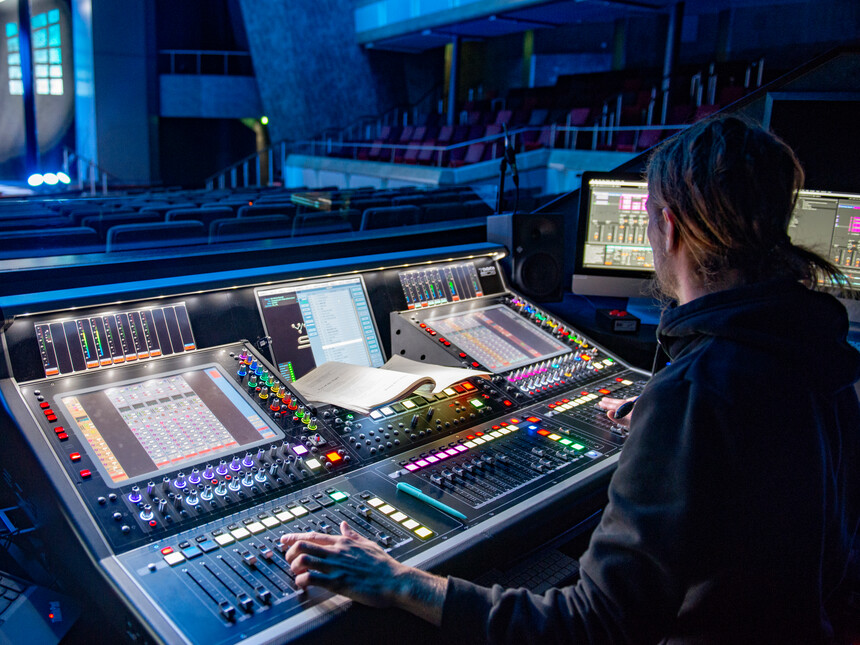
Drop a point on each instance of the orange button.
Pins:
(468, 386)
(333, 456)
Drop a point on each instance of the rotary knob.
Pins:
(235, 465)
(180, 482)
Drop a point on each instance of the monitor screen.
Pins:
(136, 429)
(498, 338)
(829, 224)
(311, 323)
(613, 256)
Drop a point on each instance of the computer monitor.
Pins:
(612, 255)
(828, 222)
(311, 323)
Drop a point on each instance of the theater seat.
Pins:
(243, 229)
(56, 241)
(374, 218)
(320, 224)
(103, 223)
(286, 208)
(207, 215)
(130, 237)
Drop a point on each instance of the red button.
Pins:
(62, 436)
(167, 550)
(507, 403)
(86, 474)
(153, 523)
(459, 389)
(533, 419)
(462, 354)
(422, 325)
(618, 379)
(432, 333)
(476, 364)
(44, 405)
(603, 391)
(75, 456)
(48, 412)
(59, 429)
(552, 406)
(52, 417)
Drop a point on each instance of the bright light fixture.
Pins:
(35, 180)
(50, 178)
(64, 178)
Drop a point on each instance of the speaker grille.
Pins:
(538, 274)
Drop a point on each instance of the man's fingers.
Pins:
(610, 404)
(307, 548)
(304, 562)
(346, 531)
(317, 538)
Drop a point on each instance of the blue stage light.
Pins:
(35, 179)
(50, 178)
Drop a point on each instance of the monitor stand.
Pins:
(647, 310)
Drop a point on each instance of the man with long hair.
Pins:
(737, 496)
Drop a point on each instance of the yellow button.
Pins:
(423, 532)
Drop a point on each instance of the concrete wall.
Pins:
(311, 72)
(220, 97)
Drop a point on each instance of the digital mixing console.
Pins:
(179, 473)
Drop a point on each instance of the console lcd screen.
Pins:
(136, 429)
(312, 323)
(498, 338)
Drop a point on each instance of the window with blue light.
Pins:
(47, 55)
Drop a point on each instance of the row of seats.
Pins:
(190, 218)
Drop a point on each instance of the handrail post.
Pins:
(233, 171)
(271, 177)
(257, 169)
(245, 173)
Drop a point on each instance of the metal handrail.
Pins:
(86, 168)
(282, 149)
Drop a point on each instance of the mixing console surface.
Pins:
(180, 473)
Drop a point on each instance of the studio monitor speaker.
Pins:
(536, 243)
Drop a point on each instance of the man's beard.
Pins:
(663, 287)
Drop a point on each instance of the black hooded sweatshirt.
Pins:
(736, 498)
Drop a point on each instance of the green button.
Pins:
(477, 403)
(338, 496)
(578, 446)
(565, 442)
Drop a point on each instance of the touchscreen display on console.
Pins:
(498, 338)
(136, 429)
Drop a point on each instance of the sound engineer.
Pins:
(737, 496)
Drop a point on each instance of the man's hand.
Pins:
(612, 405)
(352, 565)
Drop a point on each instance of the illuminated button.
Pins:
(51, 417)
(477, 441)
(544, 433)
(387, 411)
(459, 389)
(592, 454)
(174, 558)
(578, 446)
(300, 450)
(451, 452)
(440, 456)
(410, 524)
(333, 456)
(514, 421)
(313, 464)
(255, 527)
(411, 467)
(462, 354)
(408, 404)
(470, 444)
(375, 414)
(496, 434)
(603, 390)
(476, 364)
(468, 386)
(75, 456)
(449, 391)
(461, 448)
(224, 539)
(626, 382)
(284, 516)
(167, 550)
(298, 511)
(387, 509)
(477, 403)
(338, 496)
(513, 428)
(240, 533)
(191, 552)
(507, 403)
(270, 522)
(86, 474)
(398, 516)
(421, 463)
(431, 460)
(375, 502)
(423, 532)
(565, 442)
(554, 437)
(505, 431)
(488, 437)
(59, 429)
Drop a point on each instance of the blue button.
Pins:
(208, 545)
(191, 552)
